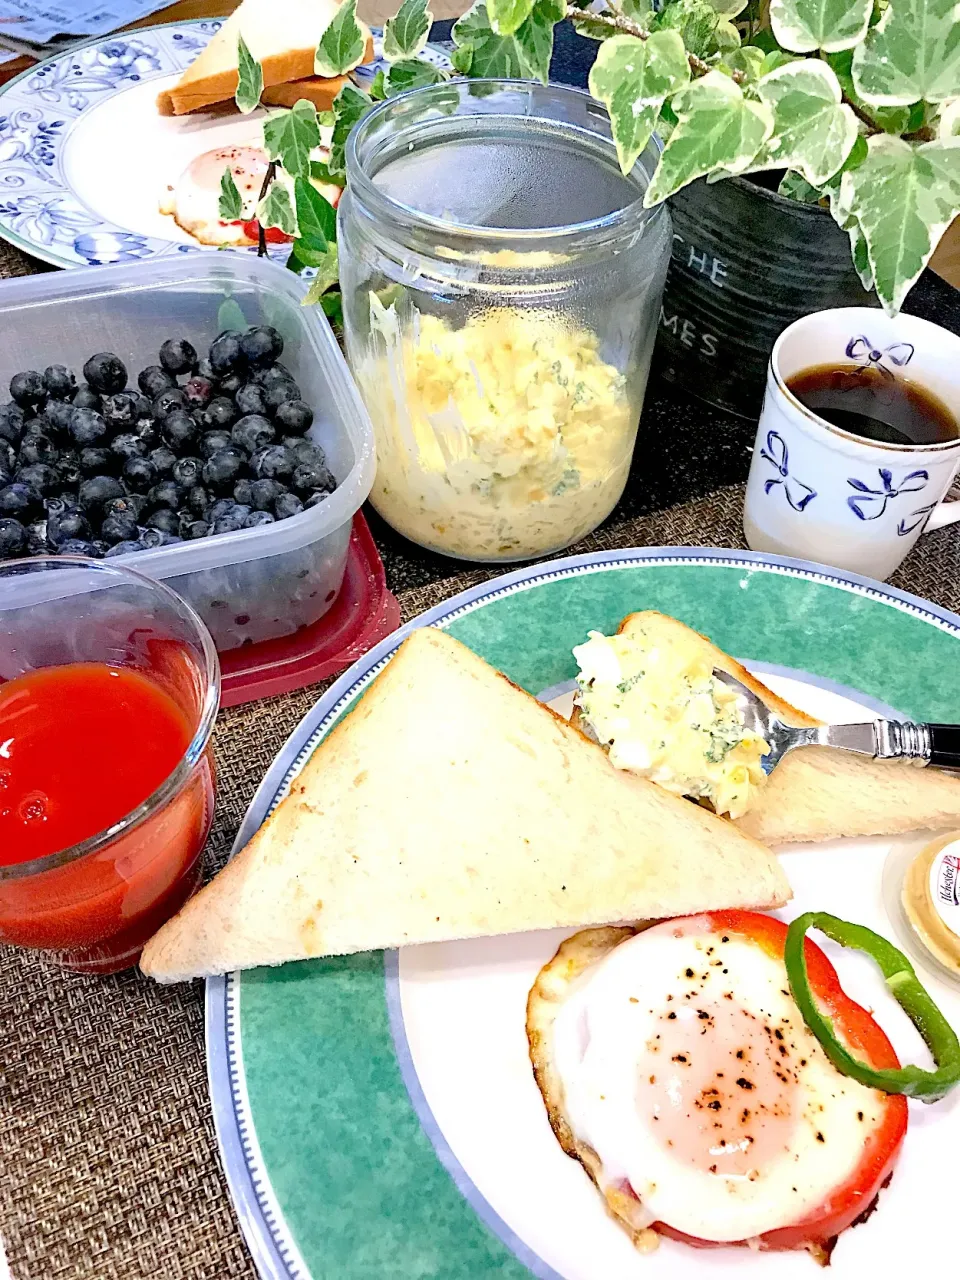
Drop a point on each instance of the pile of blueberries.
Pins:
(204, 447)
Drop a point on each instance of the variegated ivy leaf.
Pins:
(342, 45)
(412, 73)
(506, 16)
(745, 61)
(804, 25)
(406, 34)
(795, 187)
(718, 131)
(523, 55)
(290, 136)
(637, 10)
(231, 201)
(633, 78)
(699, 25)
(912, 53)
(249, 79)
(890, 119)
(589, 25)
(813, 132)
(349, 105)
(949, 123)
(903, 197)
(728, 8)
(316, 217)
(328, 272)
(276, 210)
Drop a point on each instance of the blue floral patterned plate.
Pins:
(85, 158)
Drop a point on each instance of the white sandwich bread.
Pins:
(451, 804)
(282, 35)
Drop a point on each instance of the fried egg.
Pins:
(692, 1090)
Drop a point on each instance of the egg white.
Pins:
(605, 1041)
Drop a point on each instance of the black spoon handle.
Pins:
(945, 745)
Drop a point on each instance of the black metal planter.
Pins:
(746, 263)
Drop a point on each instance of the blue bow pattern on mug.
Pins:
(864, 352)
(776, 453)
(870, 504)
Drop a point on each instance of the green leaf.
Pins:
(378, 86)
(861, 259)
(912, 53)
(889, 119)
(523, 55)
(250, 79)
(406, 34)
(342, 45)
(461, 59)
(507, 16)
(633, 78)
(290, 136)
(804, 25)
(231, 201)
(331, 304)
(697, 21)
(413, 73)
(746, 61)
(316, 217)
(813, 131)
(349, 106)
(904, 197)
(320, 172)
(276, 209)
(230, 316)
(718, 130)
(328, 273)
(638, 10)
(795, 187)
(728, 8)
(588, 26)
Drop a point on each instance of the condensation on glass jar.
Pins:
(501, 286)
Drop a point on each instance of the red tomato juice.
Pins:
(81, 746)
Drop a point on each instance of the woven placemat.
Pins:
(108, 1162)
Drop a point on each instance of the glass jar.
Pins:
(501, 288)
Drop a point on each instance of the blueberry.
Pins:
(197, 529)
(261, 345)
(222, 469)
(106, 373)
(94, 461)
(167, 401)
(40, 476)
(294, 417)
(304, 450)
(267, 375)
(314, 500)
(68, 469)
(119, 527)
(57, 417)
(218, 509)
(243, 492)
(205, 370)
(37, 448)
(97, 490)
(197, 501)
(28, 389)
(213, 441)
(86, 398)
(7, 464)
(19, 499)
(163, 459)
(233, 522)
(59, 382)
(130, 504)
(142, 406)
(166, 493)
(78, 547)
(263, 494)
(128, 445)
(38, 544)
(308, 476)
(139, 474)
(179, 430)
(99, 548)
(148, 432)
(287, 504)
(120, 411)
(218, 414)
(178, 356)
(11, 423)
(257, 518)
(153, 381)
(198, 393)
(225, 353)
(250, 399)
(124, 548)
(68, 523)
(158, 538)
(231, 384)
(252, 433)
(279, 393)
(186, 471)
(273, 463)
(13, 538)
(164, 521)
(87, 427)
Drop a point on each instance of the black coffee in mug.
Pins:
(871, 403)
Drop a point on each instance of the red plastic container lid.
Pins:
(363, 613)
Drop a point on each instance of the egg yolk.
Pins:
(719, 1085)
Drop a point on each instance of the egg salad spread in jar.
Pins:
(507, 437)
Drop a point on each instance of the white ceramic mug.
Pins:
(820, 493)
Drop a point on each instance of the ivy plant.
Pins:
(855, 102)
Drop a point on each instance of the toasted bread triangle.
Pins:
(451, 804)
(819, 793)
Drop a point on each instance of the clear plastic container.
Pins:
(260, 583)
(501, 283)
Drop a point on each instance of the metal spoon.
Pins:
(936, 744)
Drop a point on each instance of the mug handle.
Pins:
(947, 510)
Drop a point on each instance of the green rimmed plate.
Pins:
(377, 1115)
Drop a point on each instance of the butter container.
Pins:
(921, 892)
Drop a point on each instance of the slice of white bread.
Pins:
(451, 804)
(819, 793)
(555, 983)
(316, 89)
(281, 34)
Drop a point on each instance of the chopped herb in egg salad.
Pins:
(663, 714)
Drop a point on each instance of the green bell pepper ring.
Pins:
(907, 990)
